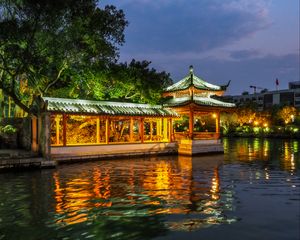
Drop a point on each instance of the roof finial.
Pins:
(192, 73)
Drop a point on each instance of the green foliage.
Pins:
(55, 44)
(136, 82)
(229, 122)
(8, 129)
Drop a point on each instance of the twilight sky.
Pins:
(250, 42)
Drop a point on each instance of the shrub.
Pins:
(8, 129)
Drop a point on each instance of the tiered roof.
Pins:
(78, 106)
(201, 101)
(193, 89)
(192, 80)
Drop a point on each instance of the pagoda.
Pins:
(199, 105)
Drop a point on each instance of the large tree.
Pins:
(51, 44)
(136, 82)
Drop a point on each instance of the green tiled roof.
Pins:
(197, 82)
(202, 101)
(63, 105)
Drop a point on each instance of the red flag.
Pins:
(277, 82)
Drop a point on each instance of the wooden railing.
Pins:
(196, 135)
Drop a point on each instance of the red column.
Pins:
(191, 124)
(142, 129)
(64, 129)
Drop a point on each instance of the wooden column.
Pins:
(57, 120)
(151, 130)
(142, 130)
(98, 130)
(131, 130)
(218, 124)
(158, 129)
(165, 129)
(34, 134)
(170, 130)
(191, 124)
(106, 130)
(64, 129)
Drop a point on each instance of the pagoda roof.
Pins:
(79, 106)
(197, 82)
(201, 101)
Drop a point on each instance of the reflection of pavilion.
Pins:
(188, 187)
(192, 98)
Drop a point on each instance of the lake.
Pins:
(250, 192)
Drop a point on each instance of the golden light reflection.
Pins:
(252, 150)
(215, 185)
(73, 196)
(191, 185)
(58, 194)
(101, 187)
(266, 148)
(288, 161)
(168, 187)
(267, 175)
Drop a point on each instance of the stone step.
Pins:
(26, 162)
(10, 154)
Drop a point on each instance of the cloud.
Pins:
(260, 71)
(176, 26)
(255, 70)
(244, 54)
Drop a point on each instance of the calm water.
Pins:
(250, 192)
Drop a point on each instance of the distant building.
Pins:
(267, 99)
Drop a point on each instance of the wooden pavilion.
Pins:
(196, 101)
(82, 128)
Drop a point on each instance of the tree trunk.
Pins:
(17, 101)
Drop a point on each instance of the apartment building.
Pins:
(267, 99)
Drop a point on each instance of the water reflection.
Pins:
(256, 181)
(189, 188)
(282, 153)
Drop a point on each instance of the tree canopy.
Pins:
(49, 44)
(137, 82)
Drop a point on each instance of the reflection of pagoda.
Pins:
(192, 98)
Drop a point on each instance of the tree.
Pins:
(136, 82)
(245, 115)
(53, 44)
(287, 114)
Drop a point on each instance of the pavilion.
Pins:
(196, 101)
(188, 122)
(76, 128)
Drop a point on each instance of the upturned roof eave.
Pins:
(195, 101)
(198, 88)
